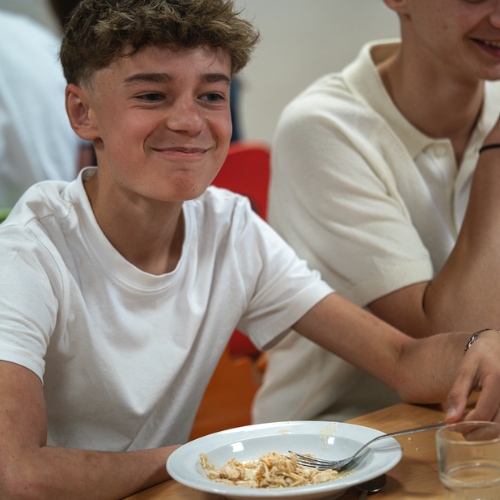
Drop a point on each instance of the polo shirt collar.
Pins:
(363, 80)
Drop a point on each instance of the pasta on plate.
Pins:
(273, 470)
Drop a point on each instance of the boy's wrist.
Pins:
(475, 336)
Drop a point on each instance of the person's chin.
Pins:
(191, 193)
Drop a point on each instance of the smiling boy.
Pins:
(164, 117)
(120, 290)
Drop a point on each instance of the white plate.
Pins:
(325, 440)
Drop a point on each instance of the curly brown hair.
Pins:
(99, 31)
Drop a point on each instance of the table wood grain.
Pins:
(415, 477)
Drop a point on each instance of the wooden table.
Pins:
(415, 477)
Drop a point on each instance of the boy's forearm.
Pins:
(54, 473)
(355, 335)
(30, 469)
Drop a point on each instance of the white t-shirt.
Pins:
(373, 204)
(36, 140)
(124, 355)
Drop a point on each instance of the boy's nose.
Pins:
(185, 116)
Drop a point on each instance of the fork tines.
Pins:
(307, 461)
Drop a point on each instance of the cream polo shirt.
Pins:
(372, 203)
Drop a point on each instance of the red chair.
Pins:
(246, 171)
(228, 397)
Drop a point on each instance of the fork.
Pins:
(338, 464)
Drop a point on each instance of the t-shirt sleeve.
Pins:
(334, 199)
(285, 288)
(28, 306)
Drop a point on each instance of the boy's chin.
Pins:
(190, 194)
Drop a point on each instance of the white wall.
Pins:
(301, 40)
(37, 9)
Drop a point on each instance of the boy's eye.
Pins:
(152, 98)
(213, 98)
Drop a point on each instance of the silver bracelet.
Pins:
(474, 337)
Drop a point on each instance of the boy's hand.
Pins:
(479, 370)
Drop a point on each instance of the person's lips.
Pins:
(182, 151)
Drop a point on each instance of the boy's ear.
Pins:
(399, 6)
(80, 114)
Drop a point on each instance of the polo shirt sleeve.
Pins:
(335, 201)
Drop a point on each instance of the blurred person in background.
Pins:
(379, 182)
(36, 140)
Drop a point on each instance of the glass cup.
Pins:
(469, 460)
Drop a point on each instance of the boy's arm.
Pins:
(30, 469)
(421, 371)
(466, 292)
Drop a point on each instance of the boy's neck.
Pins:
(435, 102)
(149, 236)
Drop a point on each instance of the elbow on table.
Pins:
(418, 392)
(415, 398)
(413, 389)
